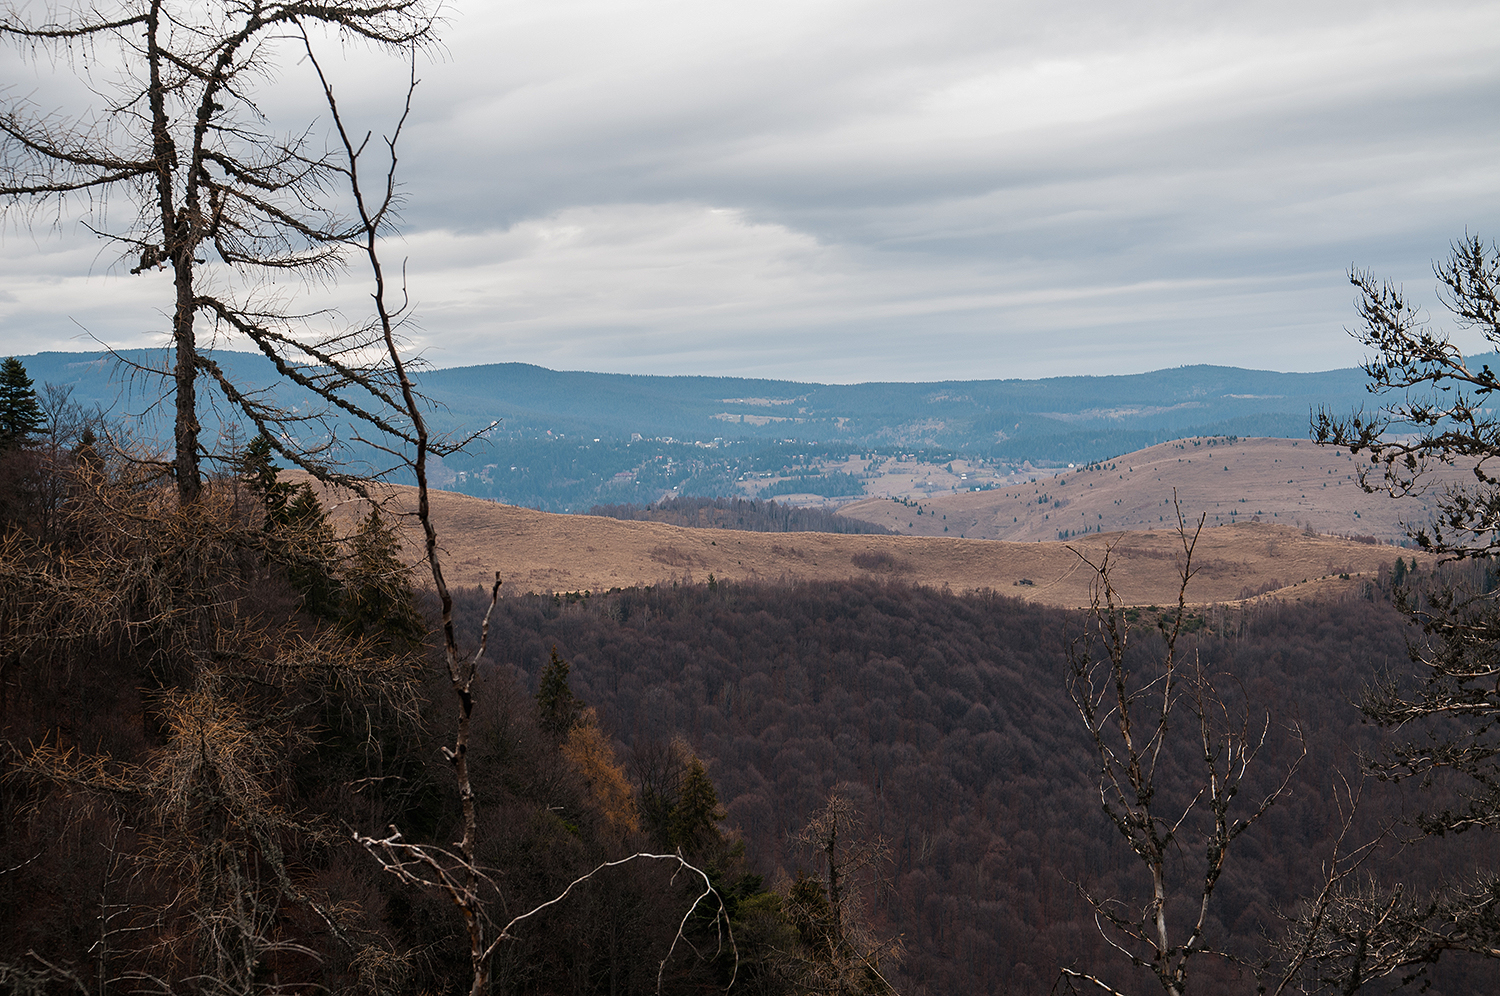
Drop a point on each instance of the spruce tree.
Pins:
(298, 535)
(696, 817)
(257, 468)
(378, 597)
(557, 709)
(307, 547)
(20, 415)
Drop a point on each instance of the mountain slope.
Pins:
(1286, 481)
(1058, 418)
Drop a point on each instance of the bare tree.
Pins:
(842, 954)
(455, 871)
(1131, 713)
(212, 192)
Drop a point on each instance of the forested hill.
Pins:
(947, 719)
(1057, 418)
(1033, 416)
(742, 514)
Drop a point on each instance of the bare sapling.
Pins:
(1134, 716)
(455, 871)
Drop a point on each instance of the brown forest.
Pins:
(198, 708)
(947, 713)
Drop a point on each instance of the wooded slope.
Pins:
(947, 716)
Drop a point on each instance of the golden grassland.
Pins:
(546, 552)
(1284, 481)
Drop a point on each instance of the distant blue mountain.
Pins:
(531, 400)
(962, 414)
(1055, 419)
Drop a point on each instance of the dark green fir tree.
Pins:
(20, 415)
(378, 597)
(557, 709)
(256, 466)
(696, 817)
(309, 550)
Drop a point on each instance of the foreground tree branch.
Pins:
(183, 142)
(1436, 409)
(1131, 714)
(458, 872)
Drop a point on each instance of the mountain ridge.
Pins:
(569, 440)
(973, 412)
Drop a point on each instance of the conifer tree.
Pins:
(696, 817)
(557, 709)
(298, 536)
(306, 545)
(588, 750)
(20, 415)
(378, 595)
(256, 468)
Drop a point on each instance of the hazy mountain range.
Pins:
(568, 439)
(1033, 418)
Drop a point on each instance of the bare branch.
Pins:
(184, 142)
(1129, 717)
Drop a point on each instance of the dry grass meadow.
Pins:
(545, 552)
(1284, 481)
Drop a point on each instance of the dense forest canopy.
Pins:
(740, 513)
(947, 713)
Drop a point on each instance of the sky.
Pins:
(856, 190)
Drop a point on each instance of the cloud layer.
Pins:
(851, 191)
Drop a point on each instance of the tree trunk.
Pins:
(189, 479)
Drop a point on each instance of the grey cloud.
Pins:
(1015, 187)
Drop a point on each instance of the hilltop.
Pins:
(1282, 481)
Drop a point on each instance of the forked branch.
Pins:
(1129, 711)
(457, 873)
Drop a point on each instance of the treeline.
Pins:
(833, 484)
(945, 715)
(740, 513)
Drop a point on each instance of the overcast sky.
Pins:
(847, 190)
